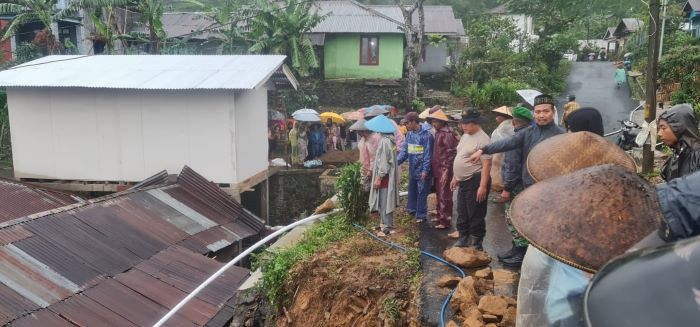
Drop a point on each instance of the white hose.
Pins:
(234, 261)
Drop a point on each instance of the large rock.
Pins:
(484, 286)
(505, 276)
(466, 257)
(465, 296)
(494, 305)
(448, 281)
(451, 324)
(485, 273)
(490, 318)
(473, 323)
(508, 319)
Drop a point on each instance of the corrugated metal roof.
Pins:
(188, 24)
(438, 19)
(20, 199)
(121, 252)
(145, 72)
(352, 17)
(633, 24)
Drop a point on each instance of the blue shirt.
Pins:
(418, 149)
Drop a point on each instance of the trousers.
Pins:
(471, 214)
(418, 191)
(387, 218)
(443, 193)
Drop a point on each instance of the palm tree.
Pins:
(228, 19)
(151, 12)
(30, 11)
(282, 30)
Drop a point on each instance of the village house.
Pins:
(124, 259)
(101, 123)
(691, 12)
(611, 43)
(626, 32)
(367, 42)
(523, 23)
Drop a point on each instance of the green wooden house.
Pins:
(367, 42)
(691, 12)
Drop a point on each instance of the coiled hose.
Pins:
(427, 254)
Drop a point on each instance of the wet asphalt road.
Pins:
(594, 86)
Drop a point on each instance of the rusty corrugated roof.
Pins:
(20, 199)
(124, 259)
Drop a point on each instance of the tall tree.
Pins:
(151, 13)
(282, 29)
(228, 19)
(414, 36)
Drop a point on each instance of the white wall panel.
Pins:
(251, 127)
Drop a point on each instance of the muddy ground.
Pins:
(358, 282)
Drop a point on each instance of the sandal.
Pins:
(454, 234)
(420, 220)
(440, 226)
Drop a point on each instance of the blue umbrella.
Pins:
(381, 124)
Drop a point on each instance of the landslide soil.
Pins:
(357, 282)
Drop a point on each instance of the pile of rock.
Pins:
(478, 300)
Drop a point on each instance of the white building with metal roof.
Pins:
(95, 122)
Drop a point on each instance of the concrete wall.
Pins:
(128, 135)
(435, 59)
(342, 57)
(286, 201)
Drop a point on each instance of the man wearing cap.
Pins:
(512, 173)
(473, 179)
(384, 193)
(444, 151)
(528, 137)
(418, 149)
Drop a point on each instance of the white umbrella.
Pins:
(528, 96)
(306, 114)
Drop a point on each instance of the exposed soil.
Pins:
(340, 157)
(358, 282)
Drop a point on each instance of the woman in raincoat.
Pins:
(302, 143)
(620, 76)
(294, 144)
(384, 192)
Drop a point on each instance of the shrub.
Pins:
(350, 194)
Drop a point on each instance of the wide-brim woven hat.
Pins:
(588, 217)
(566, 153)
(381, 124)
(439, 115)
(358, 126)
(504, 110)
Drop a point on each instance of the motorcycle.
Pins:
(627, 134)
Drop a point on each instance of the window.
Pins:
(369, 50)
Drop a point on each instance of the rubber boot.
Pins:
(476, 243)
(462, 242)
(510, 253)
(516, 260)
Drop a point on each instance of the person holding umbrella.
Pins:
(384, 191)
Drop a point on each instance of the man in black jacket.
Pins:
(678, 129)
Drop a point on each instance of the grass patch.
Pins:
(392, 308)
(276, 266)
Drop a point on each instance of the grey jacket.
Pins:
(524, 140)
(686, 154)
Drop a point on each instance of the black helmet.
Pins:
(572, 97)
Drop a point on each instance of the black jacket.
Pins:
(686, 153)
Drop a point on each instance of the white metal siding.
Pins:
(252, 150)
(128, 135)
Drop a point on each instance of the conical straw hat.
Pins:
(439, 115)
(566, 153)
(505, 110)
(588, 217)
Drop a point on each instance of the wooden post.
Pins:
(653, 63)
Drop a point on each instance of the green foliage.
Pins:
(392, 309)
(679, 97)
(418, 104)
(350, 194)
(298, 99)
(276, 266)
(493, 93)
(228, 16)
(436, 39)
(682, 65)
(5, 146)
(26, 52)
(284, 31)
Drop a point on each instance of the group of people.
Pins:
(309, 141)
